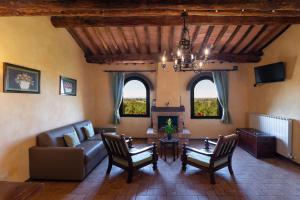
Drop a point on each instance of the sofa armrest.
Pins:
(104, 129)
(56, 163)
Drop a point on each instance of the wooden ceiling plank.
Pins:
(228, 43)
(242, 39)
(147, 39)
(104, 45)
(112, 40)
(225, 38)
(153, 58)
(206, 38)
(199, 38)
(84, 36)
(84, 48)
(248, 38)
(171, 39)
(165, 31)
(136, 40)
(129, 36)
(153, 37)
(276, 35)
(118, 39)
(258, 34)
(219, 37)
(159, 39)
(237, 38)
(214, 36)
(107, 40)
(122, 36)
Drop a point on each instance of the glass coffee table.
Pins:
(169, 144)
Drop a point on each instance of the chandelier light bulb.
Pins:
(178, 52)
(200, 64)
(163, 59)
(206, 51)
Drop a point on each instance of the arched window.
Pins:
(136, 98)
(204, 99)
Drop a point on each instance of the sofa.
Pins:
(52, 159)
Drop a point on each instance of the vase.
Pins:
(169, 136)
(24, 85)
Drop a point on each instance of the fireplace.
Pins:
(162, 122)
(159, 117)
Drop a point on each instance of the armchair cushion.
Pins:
(136, 159)
(204, 160)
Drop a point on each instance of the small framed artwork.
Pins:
(67, 86)
(18, 79)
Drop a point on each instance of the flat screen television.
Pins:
(269, 73)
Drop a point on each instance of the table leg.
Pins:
(174, 151)
(165, 152)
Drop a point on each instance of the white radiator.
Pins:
(279, 127)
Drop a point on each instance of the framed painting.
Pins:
(67, 86)
(18, 79)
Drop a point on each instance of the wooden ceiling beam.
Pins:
(154, 58)
(136, 8)
(96, 21)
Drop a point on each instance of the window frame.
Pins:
(137, 78)
(192, 91)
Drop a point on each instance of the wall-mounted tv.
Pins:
(269, 73)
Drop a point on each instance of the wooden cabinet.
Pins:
(256, 143)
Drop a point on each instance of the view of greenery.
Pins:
(206, 107)
(134, 106)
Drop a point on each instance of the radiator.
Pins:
(279, 127)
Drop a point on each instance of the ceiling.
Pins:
(131, 31)
(145, 44)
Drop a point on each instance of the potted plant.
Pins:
(169, 129)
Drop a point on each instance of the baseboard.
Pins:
(287, 159)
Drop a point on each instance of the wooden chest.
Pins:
(258, 144)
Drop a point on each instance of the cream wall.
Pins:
(35, 43)
(136, 127)
(281, 98)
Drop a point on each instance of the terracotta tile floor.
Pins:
(254, 179)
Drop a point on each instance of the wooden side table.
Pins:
(165, 143)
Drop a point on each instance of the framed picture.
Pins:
(67, 86)
(18, 79)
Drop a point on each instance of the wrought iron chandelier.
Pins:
(184, 59)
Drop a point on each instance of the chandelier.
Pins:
(184, 59)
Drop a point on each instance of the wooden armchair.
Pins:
(213, 159)
(122, 154)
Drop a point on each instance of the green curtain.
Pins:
(118, 85)
(221, 82)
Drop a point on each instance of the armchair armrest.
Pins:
(128, 140)
(212, 142)
(135, 152)
(201, 151)
(60, 163)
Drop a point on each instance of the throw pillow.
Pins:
(71, 139)
(89, 131)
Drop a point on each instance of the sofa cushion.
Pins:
(79, 129)
(89, 131)
(54, 137)
(96, 137)
(91, 149)
(71, 139)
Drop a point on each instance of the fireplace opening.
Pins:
(162, 122)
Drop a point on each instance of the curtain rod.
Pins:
(152, 70)
(234, 68)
